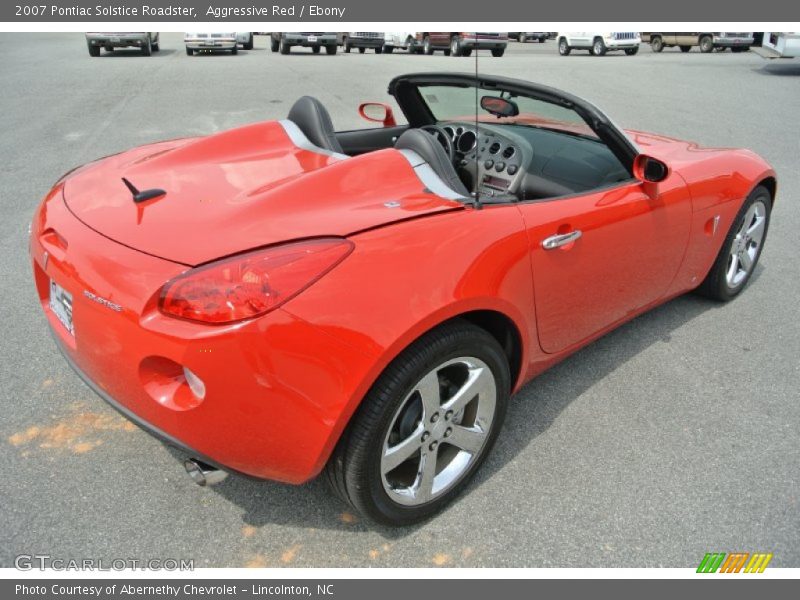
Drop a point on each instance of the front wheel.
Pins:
(741, 249)
(284, 48)
(147, 47)
(346, 45)
(498, 52)
(657, 44)
(274, 44)
(235, 50)
(362, 50)
(189, 51)
(563, 47)
(455, 46)
(632, 51)
(426, 46)
(331, 49)
(425, 426)
(706, 44)
(248, 45)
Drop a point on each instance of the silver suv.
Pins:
(147, 42)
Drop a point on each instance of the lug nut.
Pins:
(433, 445)
(425, 436)
(448, 431)
(448, 415)
(434, 417)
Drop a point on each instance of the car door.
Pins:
(624, 245)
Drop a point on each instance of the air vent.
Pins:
(494, 148)
(508, 152)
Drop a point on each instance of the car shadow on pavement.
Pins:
(134, 53)
(781, 69)
(531, 412)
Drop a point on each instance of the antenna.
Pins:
(477, 132)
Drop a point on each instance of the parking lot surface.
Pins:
(673, 436)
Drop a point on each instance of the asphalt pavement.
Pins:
(676, 435)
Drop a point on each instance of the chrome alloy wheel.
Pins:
(746, 245)
(438, 431)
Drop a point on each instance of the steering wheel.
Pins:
(444, 139)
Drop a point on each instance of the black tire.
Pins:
(657, 44)
(522, 38)
(156, 47)
(362, 50)
(466, 52)
(563, 47)
(354, 470)
(388, 49)
(706, 44)
(147, 48)
(378, 49)
(331, 49)
(685, 48)
(189, 51)
(316, 49)
(283, 47)
(426, 46)
(498, 52)
(598, 47)
(346, 45)
(274, 44)
(541, 40)
(715, 285)
(632, 51)
(94, 51)
(455, 46)
(235, 50)
(248, 45)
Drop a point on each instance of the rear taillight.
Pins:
(251, 284)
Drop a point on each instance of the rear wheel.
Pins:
(685, 48)
(274, 44)
(378, 49)
(235, 50)
(284, 48)
(425, 426)
(147, 47)
(706, 44)
(331, 49)
(455, 46)
(563, 47)
(741, 249)
(93, 50)
(362, 50)
(522, 38)
(316, 49)
(248, 45)
(657, 44)
(189, 51)
(632, 51)
(388, 49)
(498, 52)
(598, 47)
(346, 45)
(466, 52)
(426, 45)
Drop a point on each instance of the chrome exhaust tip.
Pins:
(203, 474)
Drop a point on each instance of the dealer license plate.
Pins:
(312, 38)
(61, 305)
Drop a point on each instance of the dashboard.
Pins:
(530, 162)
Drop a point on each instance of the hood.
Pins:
(242, 189)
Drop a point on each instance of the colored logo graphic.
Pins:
(734, 563)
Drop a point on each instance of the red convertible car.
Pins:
(281, 299)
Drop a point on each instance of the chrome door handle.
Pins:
(556, 241)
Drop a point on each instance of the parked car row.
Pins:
(451, 43)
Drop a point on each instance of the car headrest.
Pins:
(313, 119)
(431, 151)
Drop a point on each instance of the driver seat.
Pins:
(431, 151)
(313, 119)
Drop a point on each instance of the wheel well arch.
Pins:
(771, 183)
(502, 328)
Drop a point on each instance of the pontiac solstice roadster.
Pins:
(283, 299)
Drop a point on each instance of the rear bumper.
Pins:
(366, 42)
(210, 44)
(483, 44)
(117, 41)
(730, 42)
(303, 40)
(279, 390)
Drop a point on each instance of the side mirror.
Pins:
(647, 168)
(377, 112)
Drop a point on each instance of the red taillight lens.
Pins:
(251, 284)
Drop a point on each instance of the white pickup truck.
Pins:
(599, 42)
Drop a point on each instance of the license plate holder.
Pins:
(61, 306)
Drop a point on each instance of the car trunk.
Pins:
(243, 189)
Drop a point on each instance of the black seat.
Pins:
(313, 119)
(431, 151)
